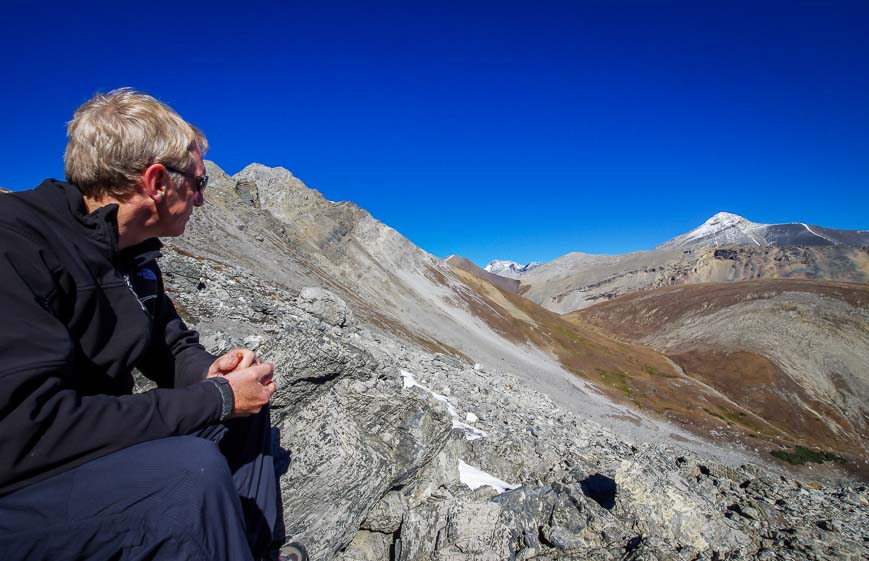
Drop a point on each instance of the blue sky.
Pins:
(518, 130)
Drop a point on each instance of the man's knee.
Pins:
(199, 458)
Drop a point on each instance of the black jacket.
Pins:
(76, 315)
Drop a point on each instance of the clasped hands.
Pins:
(251, 380)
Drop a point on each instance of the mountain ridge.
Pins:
(725, 248)
(714, 232)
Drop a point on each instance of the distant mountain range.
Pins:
(725, 248)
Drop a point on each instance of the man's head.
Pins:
(115, 137)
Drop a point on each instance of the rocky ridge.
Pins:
(579, 280)
(381, 442)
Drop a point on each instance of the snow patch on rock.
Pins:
(476, 478)
(471, 433)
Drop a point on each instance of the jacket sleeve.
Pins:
(176, 358)
(45, 425)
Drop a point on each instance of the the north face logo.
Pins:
(147, 274)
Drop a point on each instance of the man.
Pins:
(87, 469)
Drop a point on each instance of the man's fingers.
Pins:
(270, 388)
(228, 362)
(246, 358)
(264, 372)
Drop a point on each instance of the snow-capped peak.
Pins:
(719, 223)
(502, 265)
(505, 267)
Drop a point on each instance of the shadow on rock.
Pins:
(601, 489)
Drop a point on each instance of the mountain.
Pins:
(726, 248)
(725, 229)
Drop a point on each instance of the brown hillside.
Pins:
(642, 314)
(459, 262)
(791, 355)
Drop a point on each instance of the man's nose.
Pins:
(198, 198)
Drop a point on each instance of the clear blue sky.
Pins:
(520, 130)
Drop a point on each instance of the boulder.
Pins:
(325, 306)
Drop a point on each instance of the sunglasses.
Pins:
(200, 182)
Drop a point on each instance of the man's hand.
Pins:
(236, 359)
(252, 388)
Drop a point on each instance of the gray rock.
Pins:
(326, 306)
(473, 532)
(367, 546)
(308, 362)
(348, 449)
(385, 516)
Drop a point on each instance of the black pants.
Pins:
(212, 497)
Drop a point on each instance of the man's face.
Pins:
(180, 199)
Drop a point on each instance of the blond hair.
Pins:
(115, 136)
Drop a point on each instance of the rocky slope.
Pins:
(726, 248)
(267, 221)
(790, 356)
(385, 448)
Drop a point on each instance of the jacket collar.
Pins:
(101, 225)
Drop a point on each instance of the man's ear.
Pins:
(155, 182)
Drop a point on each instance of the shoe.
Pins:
(293, 551)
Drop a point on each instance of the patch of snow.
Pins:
(476, 478)
(471, 433)
(471, 418)
(806, 226)
(745, 231)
